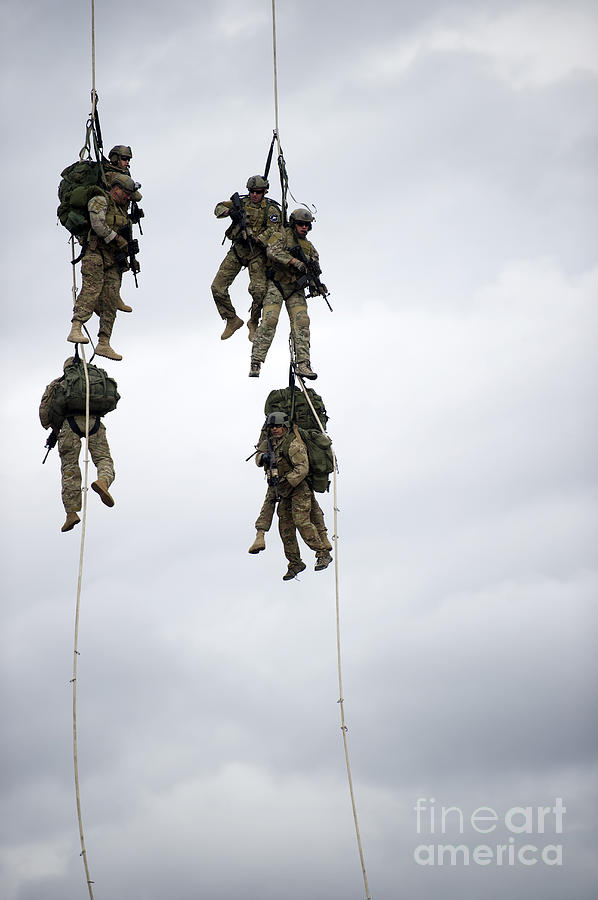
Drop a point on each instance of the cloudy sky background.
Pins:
(450, 150)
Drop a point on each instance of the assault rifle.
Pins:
(239, 217)
(136, 214)
(50, 443)
(310, 279)
(124, 257)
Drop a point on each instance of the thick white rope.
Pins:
(341, 700)
(83, 528)
(76, 637)
(275, 76)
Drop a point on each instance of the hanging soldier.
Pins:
(108, 251)
(255, 218)
(62, 409)
(283, 454)
(295, 266)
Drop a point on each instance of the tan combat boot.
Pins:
(293, 570)
(254, 368)
(71, 520)
(76, 336)
(259, 543)
(304, 369)
(101, 488)
(232, 325)
(103, 348)
(252, 326)
(322, 561)
(122, 306)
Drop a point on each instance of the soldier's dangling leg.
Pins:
(69, 448)
(107, 302)
(264, 520)
(317, 517)
(99, 450)
(297, 308)
(230, 267)
(287, 530)
(301, 504)
(257, 288)
(267, 327)
(92, 281)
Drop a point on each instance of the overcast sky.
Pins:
(450, 151)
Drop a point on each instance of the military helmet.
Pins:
(125, 182)
(277, 417)
(68, 362)
(119, 151)
(301, 216)
(257, 183)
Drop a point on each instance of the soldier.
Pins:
(69, 433)
(118, 161)
(101, 267)
(254, 219)
(282, 252)
(298, 508)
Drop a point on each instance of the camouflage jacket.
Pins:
(279, 254)
(263, 220)
(291, 459)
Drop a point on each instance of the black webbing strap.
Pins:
(77, 430)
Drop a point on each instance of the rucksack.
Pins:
(319, 445)
(80, 182)
(70, 394)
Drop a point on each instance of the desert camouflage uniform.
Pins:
(298, 509)
(101, 275)
(263, 219)
(282, 286)
(69, 448)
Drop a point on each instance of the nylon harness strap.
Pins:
(77, 430)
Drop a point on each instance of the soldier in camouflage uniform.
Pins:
(69, 449)
(283, 286)
(249, 249)
(298, 509)
(101, 272)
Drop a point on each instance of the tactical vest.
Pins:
(283, 458)
(258, 218)
(281, 273)
(116, 217)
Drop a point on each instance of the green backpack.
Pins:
(80, 182)
(70, 394)
(319, 446)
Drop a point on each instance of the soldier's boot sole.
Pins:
(101, 488)
(71, 520)
(76, 335)
(232, 325)
(293, 570)
(259, 544)
(254, 368)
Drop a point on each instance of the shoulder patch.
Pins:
(274, 217)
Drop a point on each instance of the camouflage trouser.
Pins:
(236, 258)
(69, 448)
(300, 512)
(296, 305)
(100, 290)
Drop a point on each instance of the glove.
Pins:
(324, 288)
(298, 264)
(120, 242)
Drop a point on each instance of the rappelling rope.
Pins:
(341, 700)
(83, 527)
(76, 637)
